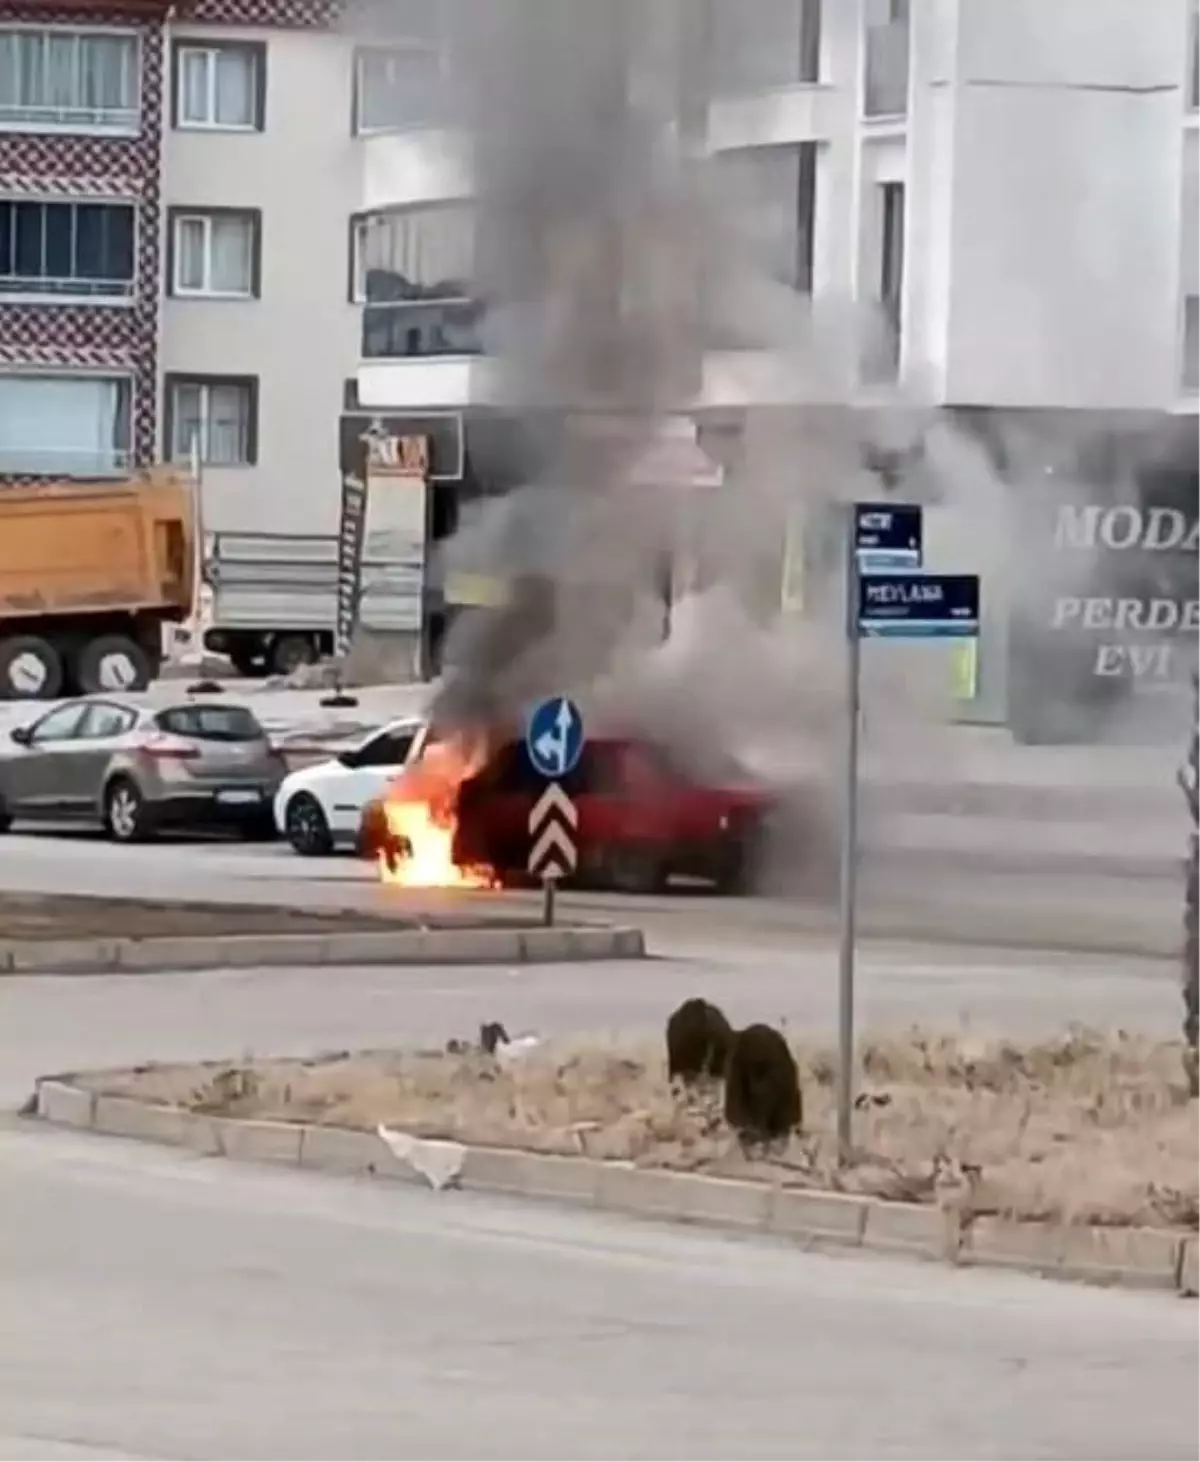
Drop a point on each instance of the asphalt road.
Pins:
(156, 1305)
(944, 898)
(161, 1306)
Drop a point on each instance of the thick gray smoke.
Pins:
(610, 254)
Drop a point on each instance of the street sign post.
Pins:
(554, 743)
(918, 606)
(887, 536)
(886, 598)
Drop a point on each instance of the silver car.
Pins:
(135, 769)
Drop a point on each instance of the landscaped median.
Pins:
(45, 934)
(1075, 1158)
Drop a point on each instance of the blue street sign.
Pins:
(887, 536)
(554, 738)
(918, 606)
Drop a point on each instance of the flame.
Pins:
(419, 811)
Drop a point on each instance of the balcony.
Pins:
(885, 84)
(421, 329)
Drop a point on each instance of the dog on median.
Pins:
(698, 1039)
(762, 1087)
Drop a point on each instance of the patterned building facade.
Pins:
(63, 143)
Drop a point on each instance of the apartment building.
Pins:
(176, 185)
(1010, 185)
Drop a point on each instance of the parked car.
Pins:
(318, 808)
(136, 769)
(644, 816)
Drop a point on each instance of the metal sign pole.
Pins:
(849, 870)
(548, 889)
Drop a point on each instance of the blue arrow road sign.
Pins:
(554, 738)
(887, 536)
(918, 606)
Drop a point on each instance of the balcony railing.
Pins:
(421, 329)
(886, 80)
(76, 288)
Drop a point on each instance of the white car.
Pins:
(318, 808)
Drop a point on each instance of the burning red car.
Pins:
(643, 816)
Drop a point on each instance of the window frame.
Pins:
(362, 54)
(128, 714)
(174, 380)
(123, 457)
(34, 296)
(358, 227)
(37, 739)
(177, 216)
(256, 51)
(130, 119)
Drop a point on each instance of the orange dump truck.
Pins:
(89, 574)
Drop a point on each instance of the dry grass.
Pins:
(1090, 1128)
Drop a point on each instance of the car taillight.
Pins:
(167, 748)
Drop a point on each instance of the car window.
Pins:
(58, 725)
(388, 749)
(202, 722)
(102, 720)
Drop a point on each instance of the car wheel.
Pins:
(31, 669)
(112, 663)
(632, 869)
(307, 827)
(126, 816)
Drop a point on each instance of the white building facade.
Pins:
(1010, 185)
(1014, 181)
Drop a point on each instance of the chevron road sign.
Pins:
(552, 830)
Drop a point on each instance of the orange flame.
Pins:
(421, 817)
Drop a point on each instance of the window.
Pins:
(60, 724)
(885, 88)
(102, 720)
(775, 188)
(212, 723)
(62, 425)
(1190, 372)
(414, 268)
(215, 254)
(400, 88)
(388, 749)
(220, 87)
(757, 47)
(883, 357)
(891, 265)
(1193, 79)
(68, 80)
(66, 249)
(415, 254)
(218, 414)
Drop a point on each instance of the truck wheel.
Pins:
(113, 663)
(290, 652)
(31, 669)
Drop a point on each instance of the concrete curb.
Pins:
(1140, 1258)
(352, 947)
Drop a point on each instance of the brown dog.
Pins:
(698, 1037)
(762, 1086)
